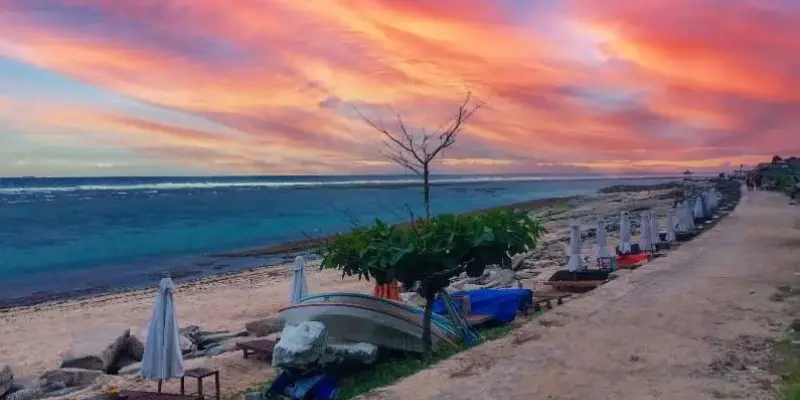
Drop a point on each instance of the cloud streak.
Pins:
(598, 86)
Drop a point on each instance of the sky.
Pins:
(237, 87)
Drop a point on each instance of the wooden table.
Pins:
(200, 374)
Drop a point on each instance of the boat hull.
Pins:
(352, 322)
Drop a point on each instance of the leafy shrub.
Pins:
(432, 251)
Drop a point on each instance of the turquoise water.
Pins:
(63, 237)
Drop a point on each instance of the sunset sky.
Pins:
(216, 87)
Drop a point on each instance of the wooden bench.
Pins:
(261, 348)
(575, 286)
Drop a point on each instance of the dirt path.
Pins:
(692, 325)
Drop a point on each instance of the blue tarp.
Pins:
(501, 304)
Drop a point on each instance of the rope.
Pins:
(465, 332)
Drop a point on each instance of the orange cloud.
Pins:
(601, 85)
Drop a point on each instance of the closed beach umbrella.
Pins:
(654, 237)
(698, 208)
(689, 216)
(672, 224)
(644, 233)
(602, 249)
(162, 351)
(299, 286)
(574, 250)
(625, 233)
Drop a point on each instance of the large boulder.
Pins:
(265, 326)
(301, 346)
(72, 377)
(93, 350)
(6, 379)
(359, 353)
(112, 354)
(135, 346)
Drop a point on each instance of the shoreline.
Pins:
(191, 275)
(286, 250)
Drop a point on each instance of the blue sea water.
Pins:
(62, 237)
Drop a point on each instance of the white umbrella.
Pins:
(672, 223)
(162, 351)
(299, 286)
(602, 249)
(644, 233)
(625, 233)
(654, 233)
(574, 250)
(698, 208)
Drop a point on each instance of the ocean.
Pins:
(66, 237)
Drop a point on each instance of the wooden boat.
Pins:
(355, 317)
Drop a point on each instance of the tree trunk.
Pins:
(426, 190)
(430, 296)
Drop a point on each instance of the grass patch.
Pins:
(786, 364)
(784, 292)
(387, 373)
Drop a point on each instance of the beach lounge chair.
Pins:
(262, 349)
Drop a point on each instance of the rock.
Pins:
(207, 341)
(112, 354)
(192, 332)
(527, 273)
(26, 394)
(6, 379)
(53, 387)
(130, 369)
(361, 353)
(87, 351)
(472, 286)
(72, 377)
(502, 277)
(92, 362)
(546, 263)
(15, 387)
(63, 392)
(264, 326)
(301, 346)
(186, 344)
(135, 346)
(220, 348)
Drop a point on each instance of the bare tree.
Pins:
(416, 151)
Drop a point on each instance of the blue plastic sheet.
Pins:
(501, 304)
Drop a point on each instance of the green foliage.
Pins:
(433, 250)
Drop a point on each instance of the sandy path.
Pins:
(687, 326)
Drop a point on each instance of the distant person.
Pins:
(748, 180)
(758, 181)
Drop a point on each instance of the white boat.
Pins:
(439, 321)
(367, 319)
